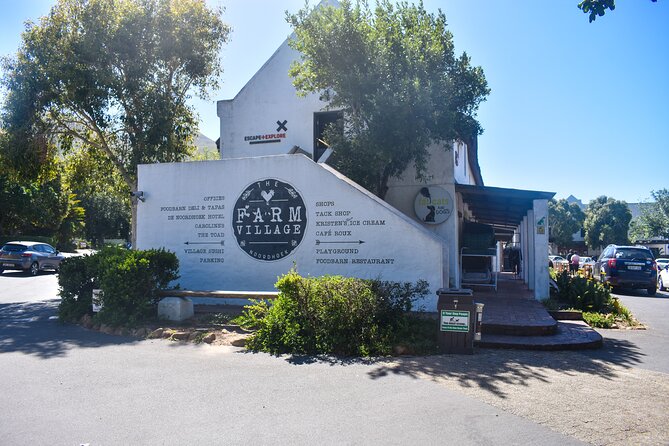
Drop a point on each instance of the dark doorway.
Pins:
(321, 122)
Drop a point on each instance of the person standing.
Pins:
(574, 263)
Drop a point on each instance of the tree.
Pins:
(394, 74)
(597, 7)
(654, 218)
(564, 219)
(114, 75)
(102, 193)
(43, 206)
(606, 221)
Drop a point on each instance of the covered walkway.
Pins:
(519, 217)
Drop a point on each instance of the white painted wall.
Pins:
(206, 193)
(402, 193)
(267, 98)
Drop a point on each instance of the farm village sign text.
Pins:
(269, 221)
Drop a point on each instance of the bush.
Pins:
(128, 279)
(583, 293)
(331, 314)
(600, 310)
(77, 278)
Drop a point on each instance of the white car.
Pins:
(583, 261)
(662, 274)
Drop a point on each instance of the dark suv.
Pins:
(627, 267)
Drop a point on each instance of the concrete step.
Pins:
(544, 327)
(569, 335)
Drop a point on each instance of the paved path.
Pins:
(66, 385)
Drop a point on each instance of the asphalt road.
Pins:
(63, 384)
(650, 346)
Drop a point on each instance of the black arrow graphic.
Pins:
(357, 242)
(222, 242)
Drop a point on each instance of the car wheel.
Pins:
(34, 269)
(651, 291)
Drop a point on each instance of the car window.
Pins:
(48, 249)
(13, 247)
(38, 248)
(634, 254)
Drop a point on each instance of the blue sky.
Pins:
(576, 107)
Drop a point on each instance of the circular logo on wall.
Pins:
(433, 205)
(269, 219)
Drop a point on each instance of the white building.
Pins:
(267, 117)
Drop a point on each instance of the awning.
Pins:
(504, 209)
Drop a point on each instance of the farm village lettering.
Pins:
(269, 219)
(275, 225)
(208, 222)
(327, 218)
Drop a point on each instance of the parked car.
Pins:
(31, 257)
(662, 274)
(661, 263)
(631, 267)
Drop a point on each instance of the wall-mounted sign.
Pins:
(269, 219)
(541, 225)
(433, 205)
(269, 137)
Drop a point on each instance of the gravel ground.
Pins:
(601, 402)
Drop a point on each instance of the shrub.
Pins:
(77, 278)
(600, 310)
(331, 314)
(128, 279)
(583, 293)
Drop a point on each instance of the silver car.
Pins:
(31, 257)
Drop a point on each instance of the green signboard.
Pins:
(454, 320)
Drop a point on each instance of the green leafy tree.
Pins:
(596, 8)
(606, 221)
(102, 193)
(564, 219)
(115, 75)
(654, 218)
(394, 73)
(43, 206)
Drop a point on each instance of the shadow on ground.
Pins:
(30, 328)
(494, 369)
